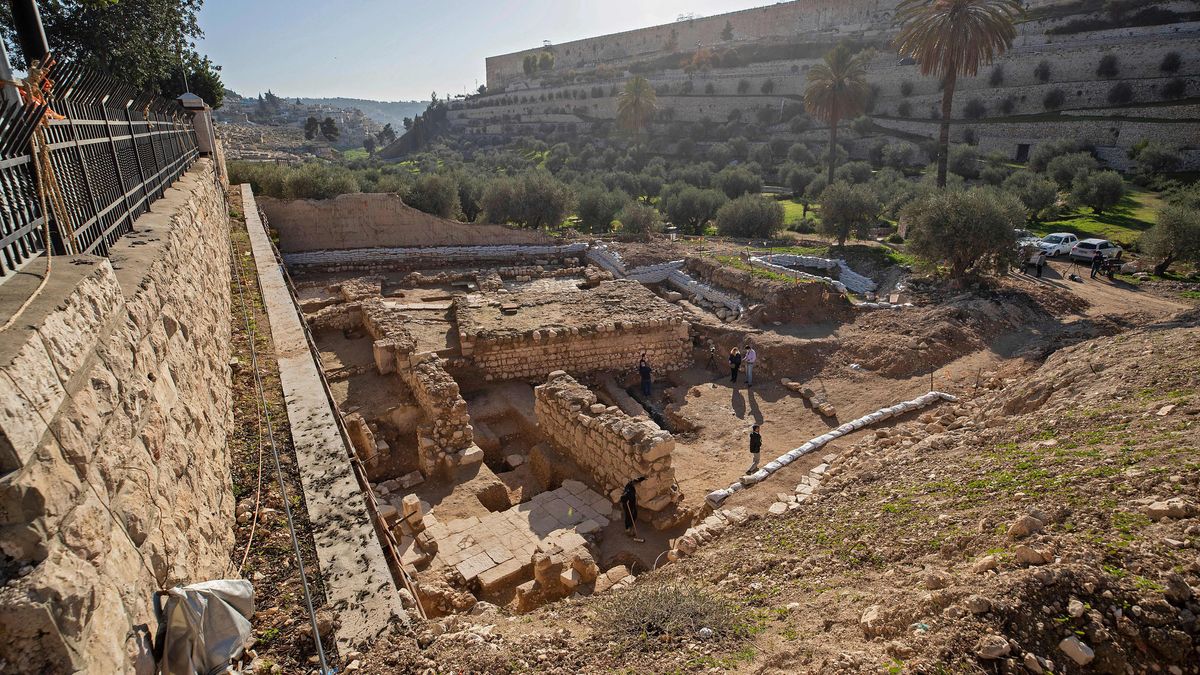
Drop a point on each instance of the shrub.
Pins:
(862, 125)
(1108, 66)
(1042, 71)
(816, 186)
(1174, 88)
(800, 154)
(436, 194)
(894, 238)
(974, 109)
(845, 209)
(720, 154)
(1065, 169)
(1156, 158)
(1038, 194)
(597, 207)
(994, 174)
(710, 88)
(904, 109)
(736, 181)
(1170, 63)
(1054, 99)
(1043, 153)
(899, 154)
(318, 181)
(690, 208)
(963, 160)
(996, 77)
(853, 172)
(535, 200)
(798, 180)
(1099, 190)
(768, 86)
(743, 86)
(964, 230)
(906, 88)
(1008, 104)
(1174, 237)
(1120, 94)
(750, 216)
(640, 219)
(649, 615)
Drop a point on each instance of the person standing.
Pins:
(629, 507)
(755, 448)
(750, 359)
(644, 372)
(735, 364)
(1040, 263)
(1097, 263)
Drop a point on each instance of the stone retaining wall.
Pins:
(612, 446)
(391, 258)
(608, 347)
(783, 301)
(115, 407)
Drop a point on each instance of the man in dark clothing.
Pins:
(629, 503)
(735, 364)
(755, 448)
(1097, 263)
(644, 371)
(1041, 263)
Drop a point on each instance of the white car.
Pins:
(1086, 249)
(1058, 243)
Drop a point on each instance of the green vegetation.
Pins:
(1123, 223)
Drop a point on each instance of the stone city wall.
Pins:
(781, 20)
(612, 446)
(612, 346)
(115, 408)
(377, 220)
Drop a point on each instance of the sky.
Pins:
(404, 49)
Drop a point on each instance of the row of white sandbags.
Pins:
(716, 497)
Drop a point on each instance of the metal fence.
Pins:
(114, 150)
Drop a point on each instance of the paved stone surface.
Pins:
(497, 548)
(358, 584)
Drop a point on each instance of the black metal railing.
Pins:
(113, 149)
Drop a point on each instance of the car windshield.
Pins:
(1053, 239)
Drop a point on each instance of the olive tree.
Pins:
(1037, 193)
(965, 230)
(845, 209)
(640, 219)
(690, 208)
(597, 207)
(1174, 238)
(750, 216)
(1100, 190)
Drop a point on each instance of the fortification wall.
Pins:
(377, 220)
(612, 446)
(784, 19)
(115, 402)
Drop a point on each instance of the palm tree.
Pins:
(949, 38)
(636, 105)
(837, 89)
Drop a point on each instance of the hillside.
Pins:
(383, 112)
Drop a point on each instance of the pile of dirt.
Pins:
(1053, 529)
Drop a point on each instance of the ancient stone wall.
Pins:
(783, 19)
(615, 346)
(113, 418)
(612, 446)
(781, 300)
(376, 220)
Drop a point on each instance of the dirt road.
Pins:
(1104, 297)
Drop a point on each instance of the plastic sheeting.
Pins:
(206, 626)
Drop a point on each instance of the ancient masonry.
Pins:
(115, 396)
(612, 446)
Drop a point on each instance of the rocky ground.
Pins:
(1048, 522)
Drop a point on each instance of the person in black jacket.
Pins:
(735, 364)
(644, 372)
(755, 448)
(629, 506)
(1097, 263)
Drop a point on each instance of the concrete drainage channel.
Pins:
(483, 391)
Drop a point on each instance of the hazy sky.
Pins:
(404, 49)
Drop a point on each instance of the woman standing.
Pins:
(735, 363)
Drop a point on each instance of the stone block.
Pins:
(503, 575)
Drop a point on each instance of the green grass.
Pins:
(1123, 224)
(355, 154)
(793, 212)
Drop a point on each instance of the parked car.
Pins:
(1086, 249)
(1058, 243)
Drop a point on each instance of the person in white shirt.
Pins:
(749, 359)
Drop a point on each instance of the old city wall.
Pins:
(115, 402)
(607, 348)
(783, 19)
(376, 220)
(612, 446)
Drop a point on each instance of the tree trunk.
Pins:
(833, 124)
(1160, 269)
(944, 132)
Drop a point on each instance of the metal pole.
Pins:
(30, 34)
